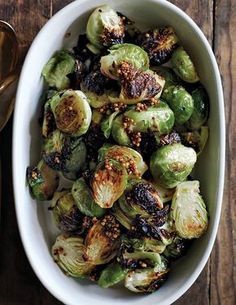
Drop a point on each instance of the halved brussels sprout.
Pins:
(42, 180)
(121, 53)
(196, 139)
(111, 275)
(171, 164)
(171, 79)
(128, 157)
(108, 183)
(180, 101)
(159, 44)
(188, 211)
(56, 71)
(137, 85)
(66, 215)
(200, 110)
(102, 241)
(84, 199)
(106, 125)
(105, 27)
(72, 112)
(177, 248)
(159, 118)
(64, 153)
(149, 279)
(68, 253)
(183, 66)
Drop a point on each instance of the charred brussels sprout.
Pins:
(196, 139)
(171, 164)
(108, 183)
(102, 241)
(68, 253)
(72, 112)
(84, 200)
(200, 110)
(128, 157)
(148, 279)
(67, 216)
(180, 101)
(111, 275)
(42, 180)
(121, 53)
(188, 211)
(183, 66)
(63, 153)
(56, 71)
(105, 27)
(177, 248)
(159, 44)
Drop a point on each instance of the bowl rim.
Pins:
(189, 282)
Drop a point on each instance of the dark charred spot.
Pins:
(148, 144)
(77, 75)
(94, 139)
(131, 32)
(191, 139)
(137, 83)
(71, 222)
(159, 44)
(49, 124)
(160, 278)
(96, 82)
(81, 51)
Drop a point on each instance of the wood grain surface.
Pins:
(217, 283)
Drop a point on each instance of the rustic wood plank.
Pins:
(223, 266)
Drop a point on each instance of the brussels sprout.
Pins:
(159, 118)
(159, 44)
(188, 211)
(121, 53)
(128, 157)
(49, 124)
(67, 216)
(180, 101)
(183, 66)
(56, 71)
(102, 241)
(200, 110)
(171, 164)
(120, 215)
(137, 85)
(111, 275)
(196, 139)
(84, 200)
(106, 125)
(42, 180)
(177, 248)
(105, 27)
(108, 183)
(94, 139)
(72, 112)
(63, 153)
(171, 79)
(148, 279)
(68, 254)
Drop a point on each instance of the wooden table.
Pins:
(217, 283)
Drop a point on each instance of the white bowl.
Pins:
(34, 222)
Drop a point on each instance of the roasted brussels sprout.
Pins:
(111, 275)
(72, 112)
(171, 164)
(159, 44)
(120, 53)
(67, 216)
(68, 253)
(180, 101)
(105, 27)
(56, 71)
(159, 118)
(49, 124)
(128, 157)
(108, 183)
(42, 180)
(102, 241)
(196, 139)
(171, 79)
(165, 194)
(120, 215)
(106, 125)
(148, 279)
(188, 210)
(64, 153)
(183, 66)
(137, 85)
(200, 110)
(84, 200)
(177, 248)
